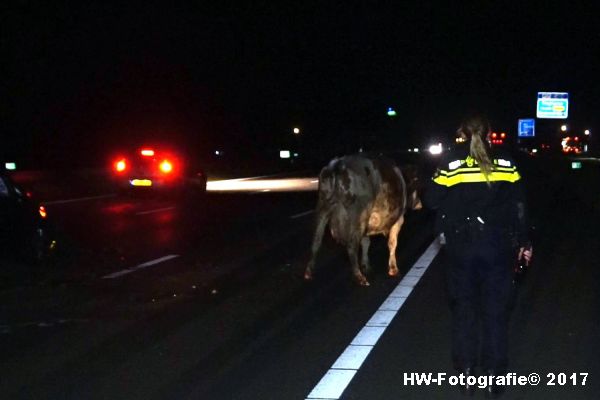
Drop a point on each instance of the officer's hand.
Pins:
(526, 253)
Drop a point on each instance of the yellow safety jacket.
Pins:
(461, 193)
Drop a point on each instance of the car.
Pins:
(25, 231)
(155, 168)
(572, 145)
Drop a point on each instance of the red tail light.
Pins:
(120, 165)
(166, 166)
(42, 211)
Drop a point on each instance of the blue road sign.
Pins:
(526, 127)
(553, 105)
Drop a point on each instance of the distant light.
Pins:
(576, 165)
(563, 128)
(10, 166)
(391, 112)
(120, 165)
(284, 154)
(410, 150)
(534, 150)
(296, 154)
(586, 132)
(435, 149)
(416, 150)
(296, 131)
(42, 211)
(503, 135)
(147, 152)
(217, 152)
(166, 166)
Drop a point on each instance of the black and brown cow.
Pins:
(360, 197)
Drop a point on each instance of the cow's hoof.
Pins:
(393, 271)
(361, 280)
(308, 275)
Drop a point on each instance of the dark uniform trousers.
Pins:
(479, 282)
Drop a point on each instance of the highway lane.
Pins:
(78, 327)
(258, 331)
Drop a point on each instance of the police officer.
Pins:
(481, 212)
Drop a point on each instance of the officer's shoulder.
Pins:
(459, 152)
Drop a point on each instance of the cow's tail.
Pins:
(332, 198)
(403, 192)
(330, 188)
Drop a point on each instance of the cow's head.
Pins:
(411, 177)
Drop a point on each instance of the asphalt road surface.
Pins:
(203, 298)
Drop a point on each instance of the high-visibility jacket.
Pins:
(463, 194)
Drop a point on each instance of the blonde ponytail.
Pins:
(478, 151)
(475, 129)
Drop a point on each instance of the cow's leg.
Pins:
(392, 243)
(364, 245)
(352, 249)
(322, 219)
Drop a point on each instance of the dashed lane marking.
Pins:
(302, 214)
(76, 200)
(155, 211)
(140, 266)
(343, 370)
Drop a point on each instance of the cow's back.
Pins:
(348, 187)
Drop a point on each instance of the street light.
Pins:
(587, 132)
(296, 131)
(563, 128)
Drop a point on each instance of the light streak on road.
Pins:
(259, 185)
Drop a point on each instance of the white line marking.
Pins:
(368, 336)
(392, 304)
(333, 384)
(155, 211)
(352, 357)
(302, 214)
(140, 266)
(343, 370)
(382, 318)
(104, 196)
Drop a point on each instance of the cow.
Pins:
(359, 197)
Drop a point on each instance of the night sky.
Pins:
(84, 78)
